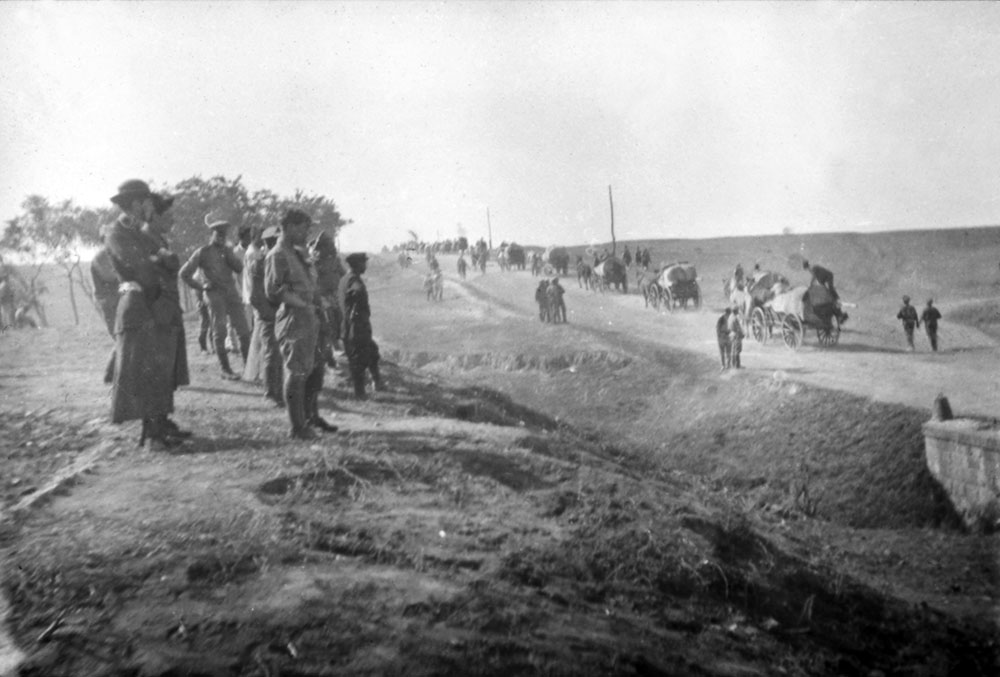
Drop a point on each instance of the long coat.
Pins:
(359, 346)
(145, 329)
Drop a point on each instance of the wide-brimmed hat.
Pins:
(356, 258)
(133, 189)
(270, 233)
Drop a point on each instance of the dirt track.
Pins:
(868, 361)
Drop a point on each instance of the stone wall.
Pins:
(964, 455)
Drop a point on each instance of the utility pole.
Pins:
(611, 200)
(489, 228)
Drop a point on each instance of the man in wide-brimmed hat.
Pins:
(290, 283)
(218, 263)
(144, 371)
(359, 346)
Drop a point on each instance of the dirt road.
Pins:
(869, 359)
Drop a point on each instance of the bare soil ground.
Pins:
(590, 498)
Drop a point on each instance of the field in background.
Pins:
(527, 499)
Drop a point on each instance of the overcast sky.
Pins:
(706, 119)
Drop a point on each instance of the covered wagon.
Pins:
(678, 283)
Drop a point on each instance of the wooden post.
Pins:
(611, 200)
(489, 228)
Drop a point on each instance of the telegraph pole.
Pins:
(612, 202)
(489, 228)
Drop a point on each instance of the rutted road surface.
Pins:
(967, 370)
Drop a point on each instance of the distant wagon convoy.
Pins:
(678, 284)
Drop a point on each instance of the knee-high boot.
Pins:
(295, 402)
(220, 351)
(313, 387)
(376, 376)
(358, 379)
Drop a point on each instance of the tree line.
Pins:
(62, 232)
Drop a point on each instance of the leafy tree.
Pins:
(44, 233)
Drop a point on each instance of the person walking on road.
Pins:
(217, 263)
(290, 284)
(908, 314)
(360, 347)
(722, 334)
(930, 318)
(735, 327)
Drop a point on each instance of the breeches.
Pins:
(223, 304)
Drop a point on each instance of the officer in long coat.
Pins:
(930, 318)
(218, 263)
(144, 375)
(290, 284)
(359, 346)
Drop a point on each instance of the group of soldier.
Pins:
(301, 299)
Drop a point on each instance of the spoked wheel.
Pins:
(758, 326)
(791, 331)
(668, 300)
(829, 335)
(654, 296)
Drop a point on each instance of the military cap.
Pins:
(356, 258)
(295, 217)
(270, 233)
(133, 189)
(906, 299)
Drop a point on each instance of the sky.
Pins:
(705, 119)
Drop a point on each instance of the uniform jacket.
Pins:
(353, 298)
(930, 317)
(287, 269)
(908, 314)
(217, 263)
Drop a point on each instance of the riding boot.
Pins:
(313, 387)
(358, 379)
(295, 400)
(244, 348)
(376, 377)
(155, 434)
(220, 351)
(109, 370)
(144, 432)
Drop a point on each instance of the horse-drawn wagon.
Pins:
(678, 284)
(793, 311)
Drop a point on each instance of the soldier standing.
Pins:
(263, 325)
(930, 318)
(908, 314)
(218, 263)
(360, 347)
(290, 284)
(145, 333)
(722, 334)
(627, 257)
(329, 270)
(735, 337)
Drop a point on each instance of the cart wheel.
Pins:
(668, 300)
(791, 331)
(829, 335)
(758, 326)
(654, 296)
